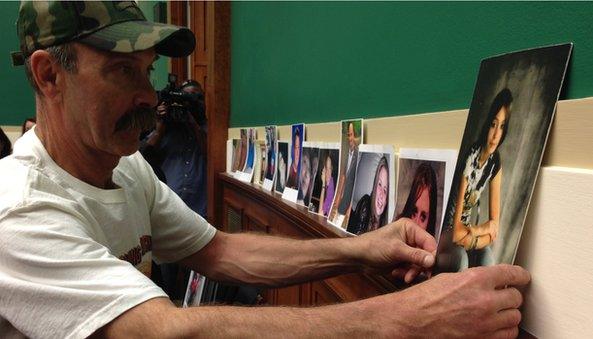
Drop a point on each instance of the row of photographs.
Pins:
(356, 192)
(475, 204)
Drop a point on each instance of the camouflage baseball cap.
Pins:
(117, 26)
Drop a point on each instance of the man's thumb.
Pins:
(417, 256)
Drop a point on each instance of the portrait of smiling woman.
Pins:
(372, 208)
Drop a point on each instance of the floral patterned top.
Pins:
(477, 178)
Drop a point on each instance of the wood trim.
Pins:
(299, 217)
(219, 77)
(178, 15)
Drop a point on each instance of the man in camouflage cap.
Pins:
(82, 215)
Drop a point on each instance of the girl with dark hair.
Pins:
(421, 204)
(371, 211)
(5, 145)
(482, 168)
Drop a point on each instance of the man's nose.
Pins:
(146, 95)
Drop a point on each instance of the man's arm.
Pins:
(274, 261)
(479, 302)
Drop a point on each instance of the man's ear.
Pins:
(45, 72)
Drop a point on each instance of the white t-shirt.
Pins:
(72, 256)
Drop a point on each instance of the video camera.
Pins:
(180, 104)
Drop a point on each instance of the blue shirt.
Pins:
(184, 167)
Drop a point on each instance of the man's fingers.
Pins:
(508, 275)
(415, 256)
(418, 237)
(508, 298)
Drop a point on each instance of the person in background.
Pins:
(178, 147)
(82, 215)
(27, 125)
(5, 145)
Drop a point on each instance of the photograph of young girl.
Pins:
(420, 189)
(325, 181)
(372, 197)
(282, 166)
(502, 147)
(309, 164)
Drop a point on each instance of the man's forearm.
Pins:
(274, 261)
(160, 319)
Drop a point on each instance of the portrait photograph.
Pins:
(413, 178)
(271, 137)
(503, 142)
(351, 138)
(296, 149)
(420, 193)
(282, 166)
(309, 165)
(373, 193)
(326, 179)
(193, 292)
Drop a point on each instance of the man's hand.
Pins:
(480, 302)
(402, 248)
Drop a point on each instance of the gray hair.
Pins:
(64, 54)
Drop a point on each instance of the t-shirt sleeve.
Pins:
(56, 281)
(177, 231)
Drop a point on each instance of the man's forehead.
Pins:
(148, 54)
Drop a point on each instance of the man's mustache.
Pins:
(143, 118)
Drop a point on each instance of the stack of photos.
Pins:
(309, 165)
(194, 290)
(501, 150)
(294, 169)
(282, 148)
(272, 149)
(424, 179)
(327, 177)
(352, 136)
(231, 146)
(246, 173)
(374, 188)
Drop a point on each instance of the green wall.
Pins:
(16, 97)
(326, 61)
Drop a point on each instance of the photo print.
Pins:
(298, 136)
(507, 126)
(326, 180)
(352, 137)
(193, 292)
(260, 162)
(247, 173)
(240, 153)
(231, 146)
(374, 189)
(309, 165)
(282, 166)
(271, 147)
(423, 184)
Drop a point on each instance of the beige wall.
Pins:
(569, 144)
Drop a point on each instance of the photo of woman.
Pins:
(371, 210)
(282, 166)
(309, 166)
(482, 169)
(421, 199)
(374, 190)
(501, 151)
(325, 181)
(271, 148)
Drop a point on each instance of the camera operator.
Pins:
(176, 149)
